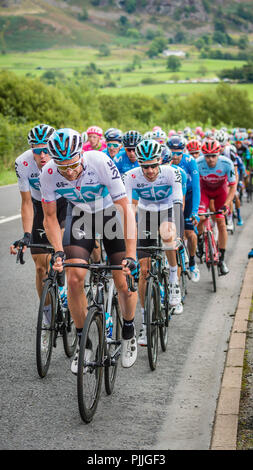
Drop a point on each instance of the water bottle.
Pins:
(63, 294)
(108, 324)
(162, 294)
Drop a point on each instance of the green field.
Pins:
(68, 61)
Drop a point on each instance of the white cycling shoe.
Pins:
(128, 351)
(174, 294)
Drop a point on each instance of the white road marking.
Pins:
(9, 219)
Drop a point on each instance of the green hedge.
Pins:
(77, 103)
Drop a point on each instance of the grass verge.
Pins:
(7, 176)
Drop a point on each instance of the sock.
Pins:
(47, 314)
(142, 315)
(192, 261)
(238, 211)
(173, 275)
(128, 329)
(222, 254)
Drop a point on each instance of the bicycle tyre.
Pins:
(69, 334)
(43, 357)
(211, 257)
(164, 315)
(89, 378)
(152, 299)
(111, 346)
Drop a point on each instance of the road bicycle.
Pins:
(209, 247)
(157, 311)
(103, 344)
(60, 322)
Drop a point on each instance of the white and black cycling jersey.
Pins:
(98, 186)
(158, 195)
(28, 174)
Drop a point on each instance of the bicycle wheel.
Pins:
(69, 335)
(45, 332)
(151, 309)
(89, 373)
(164, 315)
(211, 259)
(112, 348)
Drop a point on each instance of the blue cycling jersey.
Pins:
(106, 151)
(123, 163)
(184, 178)
(189, 165)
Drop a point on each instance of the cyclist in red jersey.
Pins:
(217, 182)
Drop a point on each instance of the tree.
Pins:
(104, 50)
(173, 63)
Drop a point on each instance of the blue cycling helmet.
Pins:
(131, 138)
(148, 149)
(113, 134)
(65, 144)
(166, 155)
(176, 142)
(39, 134)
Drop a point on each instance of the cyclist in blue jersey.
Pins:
(127, 160)
(113, 138)
(176, 144)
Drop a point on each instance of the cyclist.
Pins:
(242, 148)
(28, 168)
(217, 182)
(91, 183)
(95, 139)
(158, 188)
(113, 138)
(240, 172)
(194, 148)
(192, 199)
(127, 159)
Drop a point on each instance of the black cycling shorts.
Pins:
(38, 231)
(82, 229)
(148, 228)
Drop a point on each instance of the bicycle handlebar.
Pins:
(207, 214)
(20, 254)
(102, 267)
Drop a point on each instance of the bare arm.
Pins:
(26, 215)
(51, 225)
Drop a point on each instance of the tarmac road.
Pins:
(170, 408)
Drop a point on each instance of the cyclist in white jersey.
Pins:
(28, 168)
(91, 183)
(159, 190)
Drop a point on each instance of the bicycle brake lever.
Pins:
(20, 256)
(130, 284)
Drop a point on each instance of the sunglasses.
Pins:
(130, 149)
(153, 166)
(111, 145)
(40, 150)
(71, 166)
(177, 153)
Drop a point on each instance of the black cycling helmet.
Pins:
(131, 138)
(113, 134)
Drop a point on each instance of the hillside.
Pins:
(32, 25)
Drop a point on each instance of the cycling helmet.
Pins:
(230, 151)
(208, 134)
(147, 150)
(131, 138)
(156, 128)
(159, 135)
(238, 137)
(176, 142)
(113, 134)
(65, 144)
(166, 155)
(221, 136)
(84, 137)
(211, 147)
(148, 135)
(193, 146)
(172, 132)
(39, 134)
(95, 130)
(198, 130)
